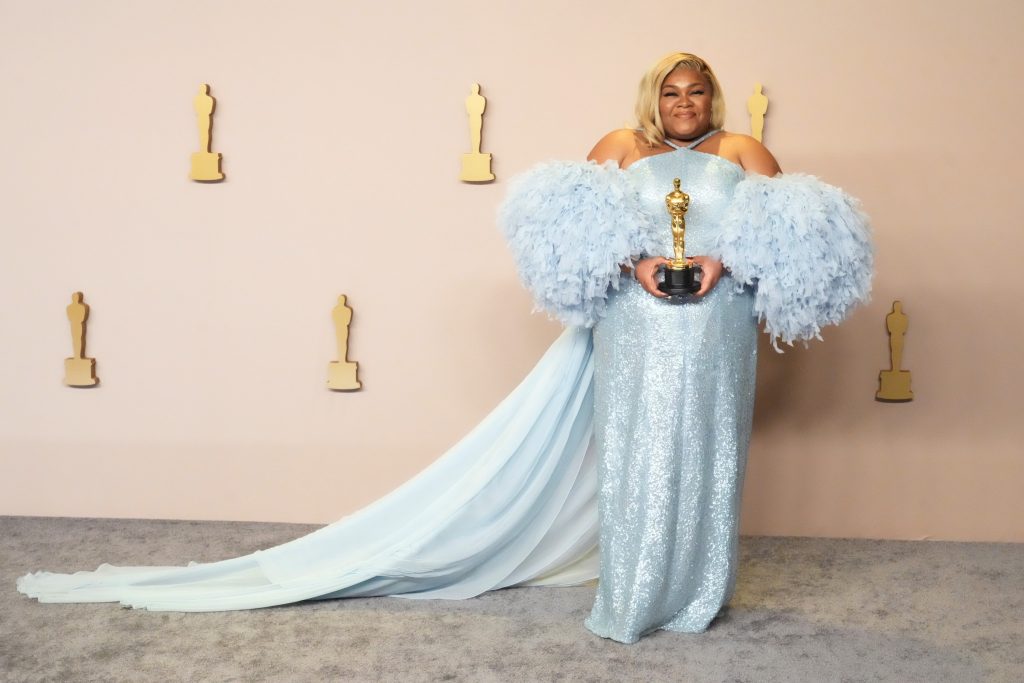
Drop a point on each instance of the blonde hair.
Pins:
(648, 116)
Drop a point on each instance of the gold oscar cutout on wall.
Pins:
(476, 167)
(79, 371)
(342, 374)
(757, 105)
(205, 164)
(894, 383)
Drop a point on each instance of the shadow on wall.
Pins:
(825, 383)
(956, 347)
(506, 340)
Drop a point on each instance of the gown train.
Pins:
(513, 503)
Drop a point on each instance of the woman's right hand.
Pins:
(645, 270)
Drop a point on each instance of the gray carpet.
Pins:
(805, 610)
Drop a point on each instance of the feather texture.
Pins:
(806, 245)
(570, 226)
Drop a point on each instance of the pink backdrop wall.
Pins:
(342, 124)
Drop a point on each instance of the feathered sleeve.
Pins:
(570, 225)
(806, 245)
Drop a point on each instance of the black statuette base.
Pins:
(680, 282)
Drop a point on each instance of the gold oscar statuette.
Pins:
(894, 383)
(476, 167)
(342, 373)
(757, 105)
(205, 164)
(679, 273)
(79, 371)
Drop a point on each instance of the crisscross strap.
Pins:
(696, 142)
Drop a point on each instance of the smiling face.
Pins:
(685, 104)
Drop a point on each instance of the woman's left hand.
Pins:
(711, 271)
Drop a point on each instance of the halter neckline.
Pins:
(696, 142)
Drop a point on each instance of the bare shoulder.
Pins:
(615, 146)
(749, 153)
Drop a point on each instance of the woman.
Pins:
(674, 379)
(515, 502)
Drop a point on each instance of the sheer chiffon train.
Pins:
(513, 503)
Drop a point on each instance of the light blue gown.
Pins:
(635, 434)
(674, 392)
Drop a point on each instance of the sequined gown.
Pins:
(674, 391)
(632, 437)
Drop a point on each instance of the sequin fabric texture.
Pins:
(674, 394)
